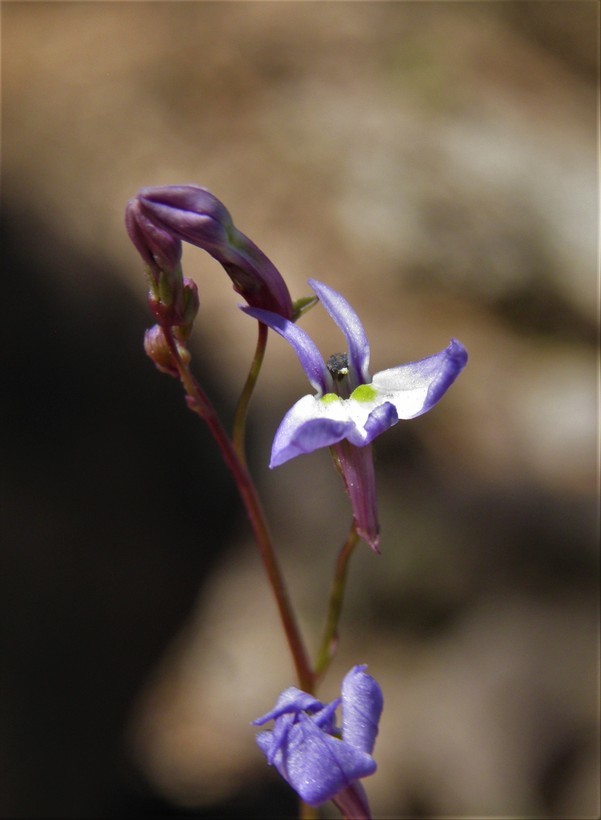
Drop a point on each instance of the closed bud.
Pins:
(191, 303)
(157, 349)
(192, 214)
(158, 247)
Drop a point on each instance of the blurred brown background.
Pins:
(436, 162)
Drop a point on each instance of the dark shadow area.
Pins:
(116, 506)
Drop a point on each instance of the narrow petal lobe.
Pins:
(350, 324)
(302, 344)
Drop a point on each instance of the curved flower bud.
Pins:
(306, 747)
(162, 253)
(193, 214)
(158, 247)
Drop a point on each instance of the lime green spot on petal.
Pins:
(328, 398)
(365, 392)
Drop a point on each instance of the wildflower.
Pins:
(349, 408)
(320, 761)
(159, 219)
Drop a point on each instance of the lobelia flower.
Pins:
(159, 219)
(320, 761)
(349, 408)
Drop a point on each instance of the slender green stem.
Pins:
(199, 402)
(239, 427)
(329, 640)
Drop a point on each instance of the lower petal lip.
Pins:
(312, 435)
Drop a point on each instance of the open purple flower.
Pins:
(349, 408)
(320, 761)
(159, 219)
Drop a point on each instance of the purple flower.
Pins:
(157, 246)
(320, 761)
(349, 408)
(159, 219)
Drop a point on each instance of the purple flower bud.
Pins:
(312, 755)
(192, 214)
(161, 251)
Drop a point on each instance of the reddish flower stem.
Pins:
(199, 402)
